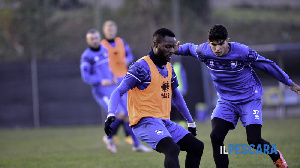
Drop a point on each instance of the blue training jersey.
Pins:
(94, 68)
(232, 74)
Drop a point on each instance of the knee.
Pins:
(215, 137)
(198, 148)
(173, 149)
(168, 147)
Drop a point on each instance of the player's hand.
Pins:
(106, 82)
(110, 119)
(176, 47)
(294, 87)
(192, 128)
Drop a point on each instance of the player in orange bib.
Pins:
(119, 52)
(151, 84)
(119, 56)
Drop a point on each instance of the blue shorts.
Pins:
(249, 113)
(152, 130)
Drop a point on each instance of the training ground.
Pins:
(82, 147)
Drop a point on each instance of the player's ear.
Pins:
(155, 44)
(228, 39)
(208, 41)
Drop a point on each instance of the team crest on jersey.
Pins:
(165, 88)
(159, 132)
(233, 64)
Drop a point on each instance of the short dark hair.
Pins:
(217, 33)
(92, 31)
(161, 33)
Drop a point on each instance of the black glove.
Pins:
(108, 121)
(192, 128)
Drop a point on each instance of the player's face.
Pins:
(93, 40)
(110, 31)
(220, 47)
(165, 49)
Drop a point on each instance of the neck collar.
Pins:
(156, 60)
(96, 49)
(110, 40)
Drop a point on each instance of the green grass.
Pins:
(82, 147)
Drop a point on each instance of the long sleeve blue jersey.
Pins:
(94, 68)
(232, 74)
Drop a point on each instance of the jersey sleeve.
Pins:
(88, 74)
(188, 49)
(174, 81)
(136, 74)
(251, 56)
(180, 105)
(270, 68)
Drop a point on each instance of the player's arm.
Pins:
(87, 77)
(179, 102)
(270, 68)
(187, 49)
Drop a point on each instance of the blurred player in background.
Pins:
(151, 84)
(120, 56)
(95, 72)
(239, 89)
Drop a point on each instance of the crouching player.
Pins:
(151, 84)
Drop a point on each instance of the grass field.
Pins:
(82, 147)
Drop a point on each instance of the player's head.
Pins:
(218, 40)
(93, 38)
(163, 44)
(109, 29)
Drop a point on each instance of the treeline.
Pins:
(54, 29)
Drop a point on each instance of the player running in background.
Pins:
(120, 56)
(151, 84)
(239, 89)
(95, 72)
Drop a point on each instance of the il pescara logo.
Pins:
(165, 88)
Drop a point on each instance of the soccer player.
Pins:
(119, 54)
(95, 72)
(239, 89)
(151, 84)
